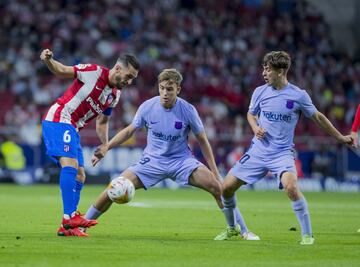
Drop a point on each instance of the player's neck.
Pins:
(169, 105)
(280, 84)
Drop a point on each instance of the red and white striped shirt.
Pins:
(87, 97)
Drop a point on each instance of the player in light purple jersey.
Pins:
(168, 120)
(274, 110)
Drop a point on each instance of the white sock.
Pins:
(92, 213)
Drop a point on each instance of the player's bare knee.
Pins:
(292, 191)
(227, 192)
(216, 189)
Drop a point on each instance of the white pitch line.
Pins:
(175, 204)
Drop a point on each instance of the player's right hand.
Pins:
(99, 153)
(94, 160)
(346, 139)
(46, 54)
(355, 137)
(260, 134)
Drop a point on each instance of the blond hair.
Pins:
(171, 75)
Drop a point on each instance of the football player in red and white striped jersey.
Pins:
(93, 93)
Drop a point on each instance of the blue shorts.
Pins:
(152, 170)
(62, 140)
(252, 167)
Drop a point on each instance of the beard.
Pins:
(118, 82)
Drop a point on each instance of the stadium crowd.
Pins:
(217, 45)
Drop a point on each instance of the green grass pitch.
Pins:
(176, 228)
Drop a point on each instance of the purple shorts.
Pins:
(252, 167)
(152, 170)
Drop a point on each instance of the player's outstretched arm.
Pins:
(55, 66)
(208, 153)
(258, 131)
(327, 126)
(117, 140)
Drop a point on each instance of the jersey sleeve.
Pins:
(254, 107)
(356, 123)
(80, 69)
(306, 105)
(196, 124)
(139, 119)
(117, 98)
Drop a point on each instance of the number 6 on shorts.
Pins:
(67, 137)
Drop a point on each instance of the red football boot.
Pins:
(78, 221)
(71, 232)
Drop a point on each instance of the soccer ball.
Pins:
(121, 190)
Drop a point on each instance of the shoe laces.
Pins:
(79, 213)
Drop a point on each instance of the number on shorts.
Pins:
(67, 137)
(144, 160)
(244, 158)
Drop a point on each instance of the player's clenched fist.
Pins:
(46, 54)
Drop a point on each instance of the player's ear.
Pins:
(117, 67)
(178, 90)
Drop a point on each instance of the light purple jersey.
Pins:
(168, 129)
(279, 112)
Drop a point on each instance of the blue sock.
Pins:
(229, 206)
(67, 185)
(302, 214)
(78, 186)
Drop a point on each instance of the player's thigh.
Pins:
(283, 168)
(128, 174)
(203, 178)
(61, 140)
(249, 169)
(231, 184)
(68, 162)
(289, 180)
(149, 171)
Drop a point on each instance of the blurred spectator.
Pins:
(13, 158)
(298, 165)
(322, 165)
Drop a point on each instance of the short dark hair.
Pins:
(277, 60)
(129, 59)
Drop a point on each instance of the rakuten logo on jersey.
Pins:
(165, 137)
(93, 105)
(276, 117)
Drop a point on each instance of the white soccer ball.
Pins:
(121, 190)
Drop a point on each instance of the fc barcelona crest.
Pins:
(178, 125)
(290, 104)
